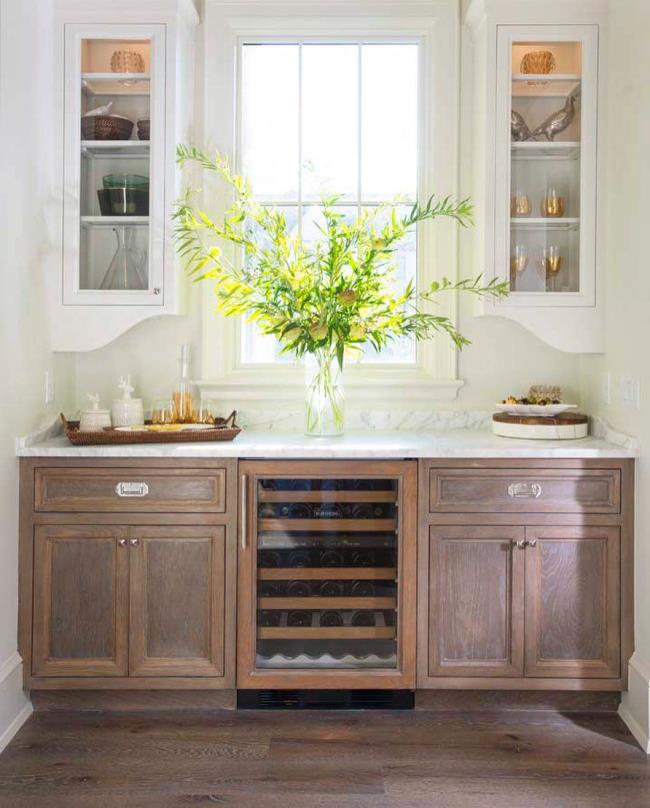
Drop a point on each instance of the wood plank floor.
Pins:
(442, 759)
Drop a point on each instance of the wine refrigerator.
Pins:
(326, 581)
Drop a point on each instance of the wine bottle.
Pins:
(363, 558)
(331, 619)
(331, 558)
(298, 589)
(331, 589)
(363, 618)
(270, 589)
(299, 618)
(299, 558)
(269, 558)
(363, 589)
(269, 618)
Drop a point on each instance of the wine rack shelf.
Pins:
(327, 525)
(327, 633)
(327, 496)
(316, 602)
(327, 573)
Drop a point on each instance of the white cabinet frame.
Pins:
(72, 293)
(587, 36)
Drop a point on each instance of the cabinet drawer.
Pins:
(525, 490)
(129, 489)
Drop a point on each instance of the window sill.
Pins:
(387, 384)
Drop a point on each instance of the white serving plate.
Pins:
(545, 410)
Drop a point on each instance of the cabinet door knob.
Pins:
(121, 542)
(525, 490)
(532, 542)
(134, 542)
(519, 543)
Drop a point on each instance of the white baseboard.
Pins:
(15, 707)
(634, 708)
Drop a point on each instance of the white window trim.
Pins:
(435, 24)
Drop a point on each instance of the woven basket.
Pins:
(105, 127)
(538, 62)
(224, 429)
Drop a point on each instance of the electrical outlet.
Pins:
(606, 391)
(49, 387)
(631, 392)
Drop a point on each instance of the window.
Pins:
(368, 94)
(340, 117)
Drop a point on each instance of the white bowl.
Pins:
(545, 410)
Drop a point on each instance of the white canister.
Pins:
(127, 411)
(94, 419)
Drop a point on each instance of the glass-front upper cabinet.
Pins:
(114, 165)
(546, 164)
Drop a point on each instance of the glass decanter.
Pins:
(127, 268)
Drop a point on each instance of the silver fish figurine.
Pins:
(518, 127)
(558, 121)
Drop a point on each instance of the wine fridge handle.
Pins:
(244, 510)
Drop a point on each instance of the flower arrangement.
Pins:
(324, 300)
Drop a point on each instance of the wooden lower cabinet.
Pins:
(145, 601)
(474, 591)
(177, 601)
(81, 600)
(573, 602)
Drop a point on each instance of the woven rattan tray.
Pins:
(224, 429)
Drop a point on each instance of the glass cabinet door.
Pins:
(546, 192)
(326, 559)
(113, 205)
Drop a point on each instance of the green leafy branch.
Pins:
(336, 294)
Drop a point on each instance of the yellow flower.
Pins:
(378, 243)
(357, 332)
(347, 297)
(318, 331)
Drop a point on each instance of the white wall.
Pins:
(25, 105)
(504, 358)
(628, 298)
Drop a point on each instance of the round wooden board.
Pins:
(563, 419)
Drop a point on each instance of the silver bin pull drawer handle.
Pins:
(125, 489)
(525, 490)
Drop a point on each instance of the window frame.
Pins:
(434, 26)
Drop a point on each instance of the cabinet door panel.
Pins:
(572, 602)
(80, 601)
(475, 615)
(178, 601)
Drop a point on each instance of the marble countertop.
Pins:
(455, 443)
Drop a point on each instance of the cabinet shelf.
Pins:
(541, 223)
(554, 84)
(93, 84)
(539, 150)
(113, 221)
(115, 148)
(327, 573)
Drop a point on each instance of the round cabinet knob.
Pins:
(520, 543)
(532, 542)
(134, 542)
(121, 542)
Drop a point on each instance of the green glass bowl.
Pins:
(136, 181)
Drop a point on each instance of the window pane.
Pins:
(330, 114)
(269, 137)
(402, 349)
(256, 347)
(389, 121)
